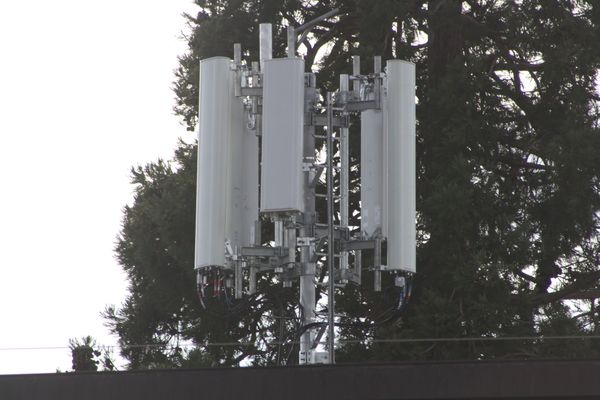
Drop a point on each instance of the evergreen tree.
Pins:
(84, 354)
(507, 186)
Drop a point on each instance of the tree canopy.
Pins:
(507, 188)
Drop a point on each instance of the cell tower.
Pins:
(257, 164)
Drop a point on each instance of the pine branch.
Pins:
(579, 286)
(520, 66)
(525, 276)
(590, 294)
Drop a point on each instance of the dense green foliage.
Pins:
(508, 186)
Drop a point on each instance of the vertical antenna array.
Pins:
(264, 116)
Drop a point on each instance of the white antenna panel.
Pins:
(371, 165)
(282, 136)
(399, 179)
(227, 194)
(214, 119)
(242, 208)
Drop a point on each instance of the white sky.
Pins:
(84, 95)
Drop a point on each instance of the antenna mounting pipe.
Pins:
(330, 231)
(266, 44)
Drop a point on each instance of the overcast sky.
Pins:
(85, 93)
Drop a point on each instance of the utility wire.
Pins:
(341, 341)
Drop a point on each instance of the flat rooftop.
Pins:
(547, 379)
